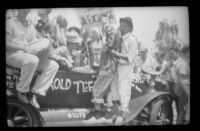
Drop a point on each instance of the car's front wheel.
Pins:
(20, 114)
(162, 113)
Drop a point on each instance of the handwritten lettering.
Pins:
(80, 86)
(75, 115)
(60, 84)
(83, 86)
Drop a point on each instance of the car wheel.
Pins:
(21, 115)
(162, 113)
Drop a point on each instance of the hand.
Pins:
(65, 62)
(29, 50)
(114, 53)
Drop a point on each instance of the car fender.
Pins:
(136, 105)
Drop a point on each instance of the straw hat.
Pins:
(73, 37)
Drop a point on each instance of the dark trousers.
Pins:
(181, 100)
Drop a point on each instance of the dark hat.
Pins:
(75, 29)
(127, 20)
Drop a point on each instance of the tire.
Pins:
(162, 113)
(25, 113)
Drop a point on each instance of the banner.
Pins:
(92, 16)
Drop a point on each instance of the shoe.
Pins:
(91, 114)
(10, 123)
(34, 102)
(98, 101)
(23, 97)
(90, 121)
(103, 120)
(118, 121)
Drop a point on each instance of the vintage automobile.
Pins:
(72, 89)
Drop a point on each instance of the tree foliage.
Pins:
(167, 39)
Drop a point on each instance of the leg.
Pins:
(186, 87)
(187, 109)
(101, 84)
(124, 86)
(180, 94)
(115, 96)
(49, 69)
(28, 64)
(125, 94)
(114, 88)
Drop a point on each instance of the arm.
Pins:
(14, 44)
(119, 55)
(61, 60)
(131, 49)
(149, 65)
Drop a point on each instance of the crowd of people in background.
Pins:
(171, 65)
(66, 47)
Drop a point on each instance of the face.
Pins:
(124, 28)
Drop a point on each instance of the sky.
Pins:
(145, 20)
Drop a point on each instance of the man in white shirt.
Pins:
(182, 71)
(22, 53)
(126, 56)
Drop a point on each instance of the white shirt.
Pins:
(150, 63)
(129, 48)
(182, 67)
